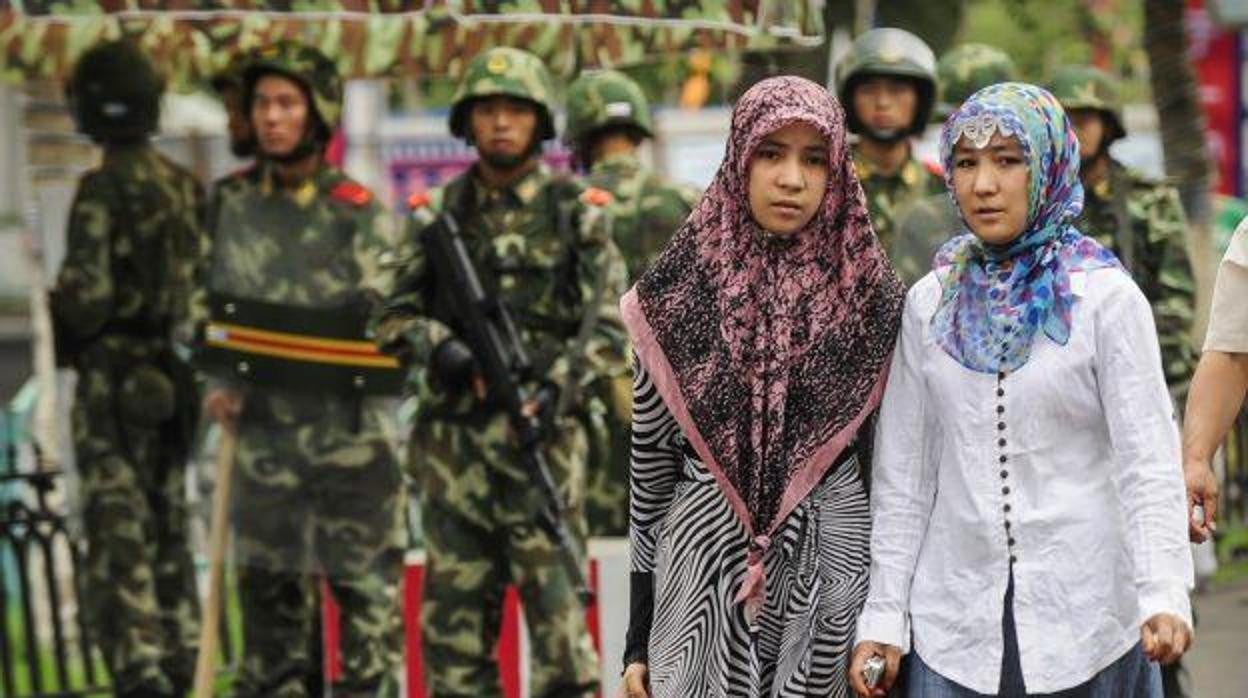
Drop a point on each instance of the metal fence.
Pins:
(45, 647)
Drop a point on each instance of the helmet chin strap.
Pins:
(509, 162)
(886, 136)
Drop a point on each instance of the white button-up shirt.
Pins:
(1069, 466)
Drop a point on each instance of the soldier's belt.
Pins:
(320, 350)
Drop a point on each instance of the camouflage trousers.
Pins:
(480, 537)
(317, 496)
(606, 490)
(139, 585)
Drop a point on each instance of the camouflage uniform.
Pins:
(133, 241)
(1158, 259)
(1143, 222)
(645, 211)
(894, 53)
(546, 255)
(889, 199)
(317, 488)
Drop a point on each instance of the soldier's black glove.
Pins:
(453, 365)
(547, 397)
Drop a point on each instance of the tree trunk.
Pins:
(1182, 122)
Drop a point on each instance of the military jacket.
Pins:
(887, 197)
(646, 210)
(325, 243)
(1142, 221)
(134, 240)
(546, 253)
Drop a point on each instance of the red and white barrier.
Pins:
(607, 620)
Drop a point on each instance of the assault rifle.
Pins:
(482, 321)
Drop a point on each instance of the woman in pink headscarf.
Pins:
(763, 335)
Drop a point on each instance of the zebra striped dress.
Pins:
(690, 549)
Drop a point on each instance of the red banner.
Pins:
(1215, 52)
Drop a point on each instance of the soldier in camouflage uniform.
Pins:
(317, 487)
(228, 83)
(1139, 218)
(608, 118)
(543, 250)
(121, 298)
(887, 85)
(962, 72)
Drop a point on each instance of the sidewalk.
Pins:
(1219, 660)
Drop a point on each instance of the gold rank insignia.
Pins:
(498, 64)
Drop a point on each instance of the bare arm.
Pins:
(1217, 393)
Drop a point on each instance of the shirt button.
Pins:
(1000, 392)
(1000, 375)
(1005, 490)
(1000, 409)
(1010, 542)
(1007, 524)
(1004, 474)
(1006, 508)
(1013, 559)
(1003, 458)
(1000, 426)
(1001, 443)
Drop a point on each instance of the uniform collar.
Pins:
(304, 193)
(1104, 189)
(127, 152)
(910, 173)
(522, 192)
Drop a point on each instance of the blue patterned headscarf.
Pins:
(995, 298)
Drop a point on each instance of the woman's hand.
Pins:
(892, 664)
(1165, 638)
(636, 681)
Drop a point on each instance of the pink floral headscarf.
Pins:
(769, 352)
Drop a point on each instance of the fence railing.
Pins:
(45, 645)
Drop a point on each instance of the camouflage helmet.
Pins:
(506, 72)
(1085, 87)
(888, 52)
(231, 75)
(114, 93)
(606, 98)
(306, 66)
(966, 69)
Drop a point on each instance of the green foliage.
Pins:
(1232, 556)
(1038, 34)
(1041, 35)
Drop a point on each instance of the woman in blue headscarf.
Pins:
(1028, 506)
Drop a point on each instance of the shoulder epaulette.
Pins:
(595, 196)
(418, 200)
(352, 193)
